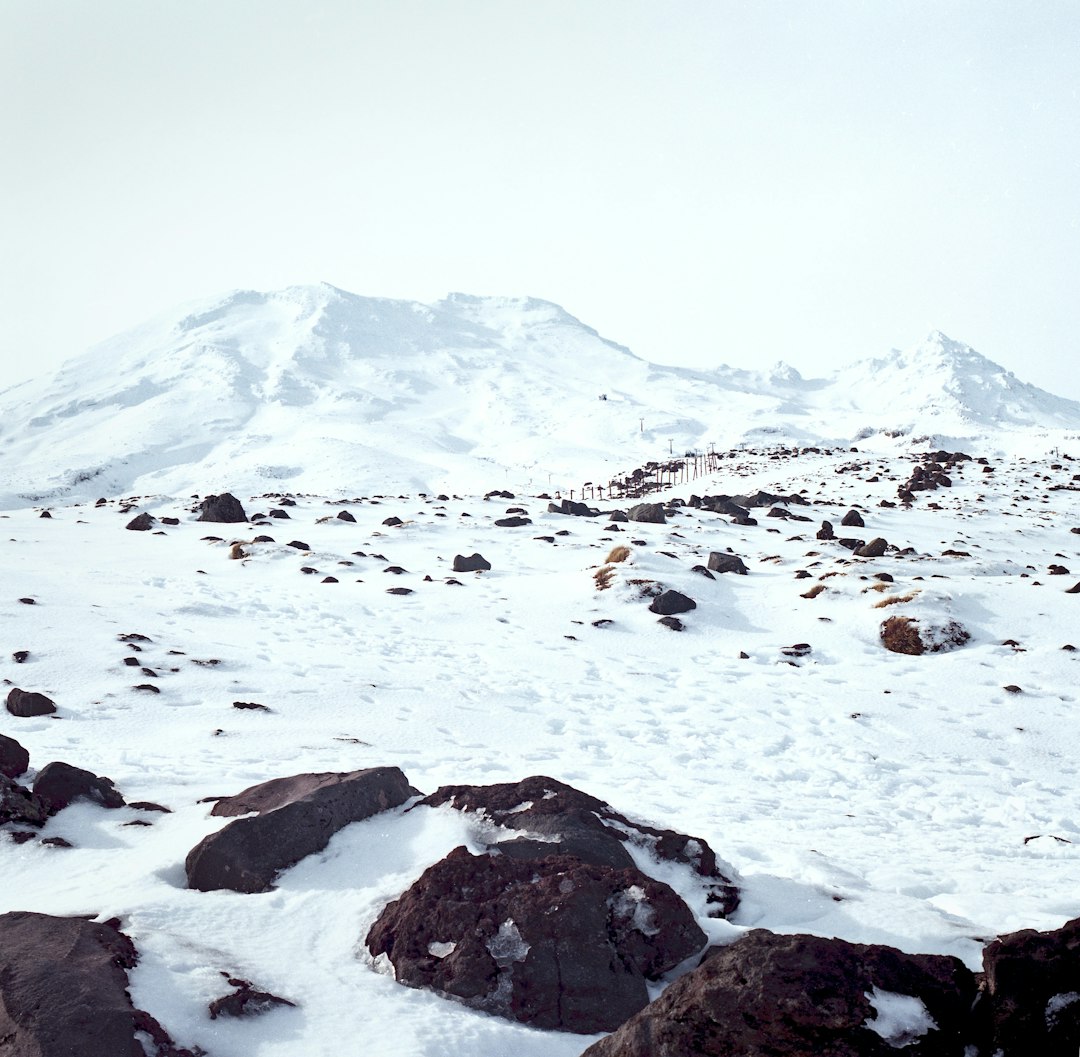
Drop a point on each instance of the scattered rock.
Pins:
(142, 523)
(476, 562)
(513, 522)
(393, 522)
(250, 706)
(58, 784)
(25, 703)
(345, 515)
(668, 603)
(296, 817)
(245, 1001)
(299, 545)
(18, 804)
(224, 509)
(14, 759)
(852, 519)
(674, 623)
(720, 562)
(648, 513)
(826, 531)
(874, 549)
(20, 656)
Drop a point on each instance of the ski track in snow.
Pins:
(858, 793)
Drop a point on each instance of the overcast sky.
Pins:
(706, 182)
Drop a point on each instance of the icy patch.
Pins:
(507, 945)
(439, 949)
(900, 1020)
(521, 807)
(1057, 1004)
(633, 905)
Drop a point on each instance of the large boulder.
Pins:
(649, 513)
(296, 817)
(721, 562)
(553, 818)
(224, 509)
(14, 759)
(805, 996)
(63, 991)
(555, 942)
(27, 703)
(58, 784)
(1033, 991)
(874, 549)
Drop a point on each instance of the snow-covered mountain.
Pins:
(371, 394)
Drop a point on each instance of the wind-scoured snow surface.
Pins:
(347, 393)
(927, 802)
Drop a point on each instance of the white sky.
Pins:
(705, 182)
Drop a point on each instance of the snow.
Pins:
(855, 793)
(900, 1019)
(469, 393)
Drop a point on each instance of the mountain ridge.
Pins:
(337, 392)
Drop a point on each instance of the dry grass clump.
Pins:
(814, 591)
(603, 576)
(901, 635)
(894, 600)
(618, 553)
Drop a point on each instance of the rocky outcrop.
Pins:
(296, 817)
(63, 991)
(552, 818)
(1032, 999)
(805, 996)
(555, 942)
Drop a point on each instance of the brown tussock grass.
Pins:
(814, 591)
(894, 600)
(618, 553)
(603, 576)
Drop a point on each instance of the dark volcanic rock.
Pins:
(18, 804)
(648, 513)
(142, 523)
(874, 549)
(14, 759)
(63, 991)
(25, 703)
(474, 563)
(513, 522)
(58, 784)
(852, 519)
(296, 817)
(1033, 992)
(668, 603)
(570, 822)
(805, 996)
(245, 1001)
(553, 942)
(224, 509)
(720, 562)
(568, 506)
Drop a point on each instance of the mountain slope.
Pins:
(318, 389)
